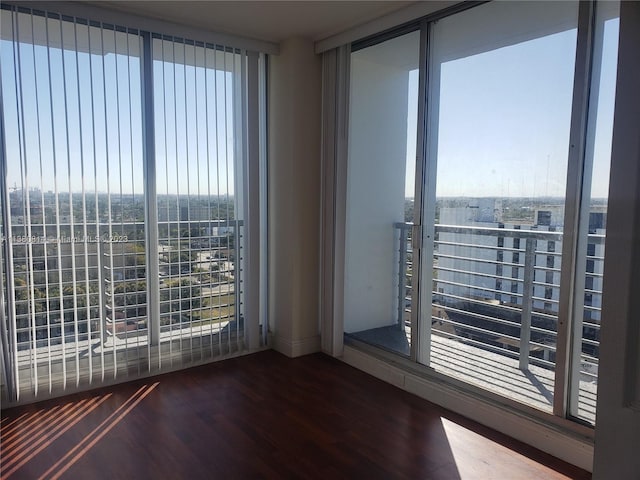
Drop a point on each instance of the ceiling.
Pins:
(265, 20)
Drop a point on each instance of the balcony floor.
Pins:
(491, 371)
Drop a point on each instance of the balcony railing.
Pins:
(497, 289)
(109, 320)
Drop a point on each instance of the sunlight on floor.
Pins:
(30, 434)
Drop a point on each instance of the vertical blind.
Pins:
(124, 162)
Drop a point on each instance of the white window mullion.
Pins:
(262, 175)
(581, 401)
(572, 281)
(335, 87)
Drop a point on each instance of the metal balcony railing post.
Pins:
(527, 302)
(402, 270)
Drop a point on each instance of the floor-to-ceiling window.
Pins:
(494, 277)
(380, 191)
(124, 171)
(501, 101)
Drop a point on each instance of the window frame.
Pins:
(249, 103)
(572, 244)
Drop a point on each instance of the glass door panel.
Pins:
(500, 79)
(591, 252)
(380, 192)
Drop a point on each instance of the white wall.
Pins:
(617, 439)
(375, 191)
(294, 196)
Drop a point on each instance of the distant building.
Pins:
(476, 266)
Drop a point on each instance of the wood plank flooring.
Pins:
(260, 416)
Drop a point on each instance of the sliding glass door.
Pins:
(496, 268)
(500, 98)
(380, 190)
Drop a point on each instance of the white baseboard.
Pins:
(550, 439)
(296, 348)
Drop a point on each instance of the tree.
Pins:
(130, 293)
(180, 295)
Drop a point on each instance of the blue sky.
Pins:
(504, 119)
(503, 123)
(101, 119)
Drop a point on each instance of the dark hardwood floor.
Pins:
(260, 416)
